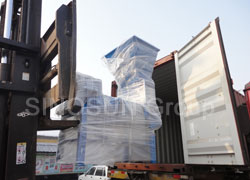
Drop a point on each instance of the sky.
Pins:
(167, 24)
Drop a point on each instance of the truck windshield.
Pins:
(91, 171)
(100, 172)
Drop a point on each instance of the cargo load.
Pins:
(116, 128)
(86, 86)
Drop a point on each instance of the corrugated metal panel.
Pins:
(168, 137)
(46, 147)
(239, 98)
(169, 140)
(166, 89)
(247, 93)
(208, 118)
(165, 81)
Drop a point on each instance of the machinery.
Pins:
(26, 71)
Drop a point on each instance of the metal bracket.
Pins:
(48, 124)
(18, 46)
(60, 41)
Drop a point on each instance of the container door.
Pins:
(208, 120)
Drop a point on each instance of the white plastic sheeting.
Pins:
(132, 64)
(117, 129)
(111, 130)
(86, 86)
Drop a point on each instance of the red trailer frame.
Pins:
(247, 95)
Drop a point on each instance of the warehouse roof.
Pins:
(47, 144)
(46, 147)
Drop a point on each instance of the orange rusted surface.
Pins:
(165, 59)
(151, 167)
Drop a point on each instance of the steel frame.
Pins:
(55, 42)
(174, 168)
(27, 75)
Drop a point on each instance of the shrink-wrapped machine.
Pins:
(118, 129)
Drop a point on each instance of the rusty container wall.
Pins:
(243, 118)
(239, 98)
(247, 93)
(168, 137)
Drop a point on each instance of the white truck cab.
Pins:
(95, 173)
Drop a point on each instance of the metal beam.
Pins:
(17, 46)
(152, 167)
(48, 124)
(49, 45)
(50, 75)
(24, 59)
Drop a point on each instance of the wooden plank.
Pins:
(52, 97)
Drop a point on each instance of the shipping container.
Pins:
(239, 98)
(168, 138)
(197, 77)
(205, 125)
(247, 93)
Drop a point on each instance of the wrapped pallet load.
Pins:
(86, 86)
(115, 129)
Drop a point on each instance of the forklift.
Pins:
(26, 72)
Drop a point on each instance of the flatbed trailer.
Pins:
(150, 171)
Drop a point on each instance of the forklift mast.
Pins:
(26, 71)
